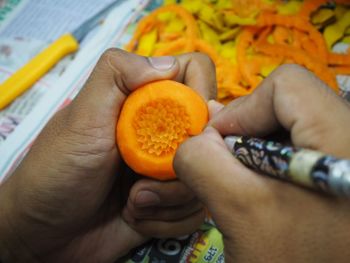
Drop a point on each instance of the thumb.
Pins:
(206, 166)
(116, 74)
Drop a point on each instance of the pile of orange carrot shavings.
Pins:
(248, 39)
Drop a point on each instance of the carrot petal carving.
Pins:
(154, 120)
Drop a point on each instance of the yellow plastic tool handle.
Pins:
(30, 73)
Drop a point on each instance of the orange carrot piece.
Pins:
(154, 121)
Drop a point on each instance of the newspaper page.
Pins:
(343, 80)
(21, 122)
(47, 20)
(30, 27)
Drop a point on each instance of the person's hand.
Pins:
(263, 219)
(69, 200)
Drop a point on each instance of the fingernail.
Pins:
(162, 63)
(209, 130)
(146, 198)
(214, 107)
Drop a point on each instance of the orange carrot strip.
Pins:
(308, 45)
(245, 40)
(263, 60)
(342, 2)
(268, 19)
(190, 22)
(167, 37)
(227, 75)
(342, 70)
(339, 59)
(145, 25)
(263, 35)
(174, 47)
(302, 40)
(302, 58)
(309, 6)
(297, 37)
(191, 30)
(205, 47)
(281, 35)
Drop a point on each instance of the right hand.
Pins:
(262, 219)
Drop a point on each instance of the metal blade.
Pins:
(93, 21)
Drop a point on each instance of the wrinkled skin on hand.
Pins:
(264, 219)
(71, 200)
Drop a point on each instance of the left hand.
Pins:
(66, 200)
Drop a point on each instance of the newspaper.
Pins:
(47, 20)
(21, 122)
(205, 245)
(343, 80)
(28, 29)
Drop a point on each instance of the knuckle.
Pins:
(296, 78)
(203, 59)
(110, 52)
(288, 77)
(287, 72)
(206, 66)
(290, 68)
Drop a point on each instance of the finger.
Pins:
(171, 213)
(147, 192)
(293, 98)
(198, 72)
(164, 229)
(113, 245)
(206, 166)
